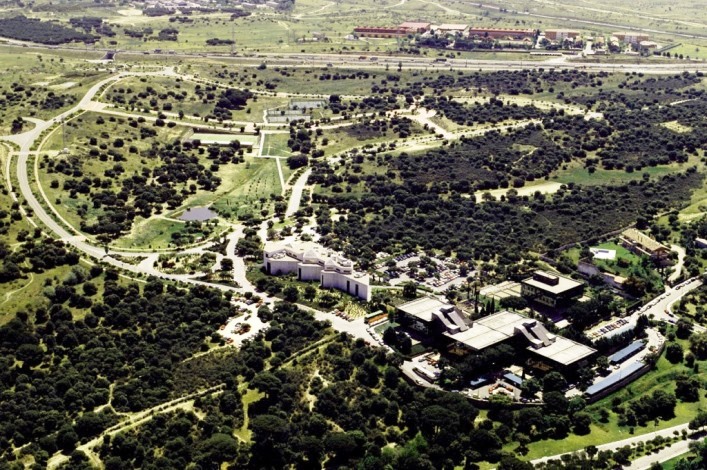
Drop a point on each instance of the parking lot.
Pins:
(432, 272)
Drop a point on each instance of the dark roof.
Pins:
(514, 379)
(628, 351)
(613, 378)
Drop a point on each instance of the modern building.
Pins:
(433, 317)
(501, 33)
(430, 315)
(451, 29)
(551, 289)
(380, 32)
(641, 244)
(415, 27)
(505, 326)
(561, 34)
(630, 37)
(312, 262)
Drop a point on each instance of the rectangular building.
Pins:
(451, 29)
(551, 289)
(641, 244)
(501, 33)
(415, 27)
(561, 34)
(630, 37)
(380, 32)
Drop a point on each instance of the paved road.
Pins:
(679, 448)
(668, 432)
(297, 190)
(675, 275)
(385, 62)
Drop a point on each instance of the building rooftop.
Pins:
(622, 354)
(504, 30)
(613, 379)
(490, 330)
(550, 282)
(564, 351)
(453, 26)
(423, 308)
(501, 326)
(642, 239)
(414, 25)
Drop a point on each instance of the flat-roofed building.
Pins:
(630, 37)
(501, 33)
(431, 315)
(643, 245)
(551, 289)
(503, 326)
(415, 26)
(437, 318)
(451, 29)
(561, 34)
(380, 32)
(312, 262)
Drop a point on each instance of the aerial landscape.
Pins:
(353, 234)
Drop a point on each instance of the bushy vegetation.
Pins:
(45, 32)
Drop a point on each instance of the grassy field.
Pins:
(575, 172)
(662, 377)
(276, 145)
(244, 187)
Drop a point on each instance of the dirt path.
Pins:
(545, 188)
(10, 294)
(137, 419)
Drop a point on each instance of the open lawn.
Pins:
(244, 187)
(250, 396)
(276, 145)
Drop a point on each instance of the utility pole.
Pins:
(233, 40)
(63, 136)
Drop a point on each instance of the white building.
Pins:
(312, 262)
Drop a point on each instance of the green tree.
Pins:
(291, 294)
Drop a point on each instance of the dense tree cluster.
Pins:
(45, 32)
(40, 254)
(57, 370)
(488, 162)
(492, 111)
(392, 216)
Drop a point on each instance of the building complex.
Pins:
(643, 245)
(440, 320)
(312, 262)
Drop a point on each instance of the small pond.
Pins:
(199, 214)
